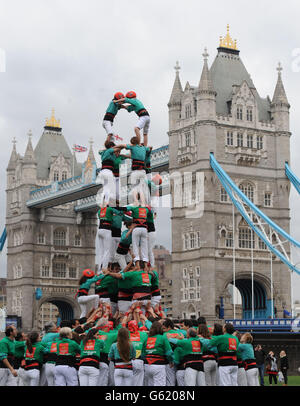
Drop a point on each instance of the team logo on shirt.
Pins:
(196, 346)
(30, 354)
(145, 278)
(151, 343)
(63, 349)
(53, 347)
(89, 345)
(103, 212)
(142, 213)
(134, 337)
(232, 344)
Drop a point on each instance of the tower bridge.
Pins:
(51, 223)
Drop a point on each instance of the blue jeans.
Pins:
(261, 371)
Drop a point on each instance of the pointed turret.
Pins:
(279, 93)
(91, 156)
(206, 99)
(205, 84)
(175, 101)
(177, 88)
(14, 156)
(280, 105)
(29, 153)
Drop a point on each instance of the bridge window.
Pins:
(246, 238)
(259, 142)
(192, 240)
(45, 271)
(268, 199)
(59, 270)
(262, 245)
(223, 196)
(249, 113)
(249, 141)
(184, 272)
(240, 139)
(59, 238)
(41, 238)
(188, 111)
(17, 271)
(73, 273)
(56, 176)
(186, 241)
(64, 175)
(77, 241)
(229, 139)
(229, 239)
(248, 190)
(239, 113)
(188, 139)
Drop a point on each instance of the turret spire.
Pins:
(205, 84)
(14, 155)
(177, 88)
(29, 154)
(279, 93)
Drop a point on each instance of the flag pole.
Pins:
(73, 160)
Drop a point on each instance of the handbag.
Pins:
(280, 376)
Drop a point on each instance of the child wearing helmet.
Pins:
(138, 107)
(110, 114)
(84, 299)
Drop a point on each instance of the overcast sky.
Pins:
(73, 56)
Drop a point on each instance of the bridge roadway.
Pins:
(83, 189)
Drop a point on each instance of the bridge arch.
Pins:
(68, 307)
(261, 290)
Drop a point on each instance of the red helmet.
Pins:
(131, 95)
(133, 326)
(118, 95)
(88, 273)
(157, 179)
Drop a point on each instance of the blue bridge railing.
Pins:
(266, 325)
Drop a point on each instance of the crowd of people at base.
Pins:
(134, 349)
(268, 362)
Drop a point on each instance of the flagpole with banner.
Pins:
(77, 148)
(73, 161)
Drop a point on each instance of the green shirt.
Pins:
(138, 279)
(66, 351)
(126, 240)
(7, 348)
(87, 284)
(107, 283)
(113, 108)
(108, 155)
(111, 338)
(106, 213)
(135, 104)
(138, 339)
(246, 351)
(139, 214)
(37, 355)
(117, 218)
(91, 348)
(157, 345)
(189, 349)
(115, 355)
(138, 152)
(154, 280)
(226, 343)
(19, 349)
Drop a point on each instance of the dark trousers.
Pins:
(284, 373)
(271, 378)
(261, 371)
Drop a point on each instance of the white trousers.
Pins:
(7, 378)
(107, 193)
(123, 377)
(108, 126)
(170, 375)
(252, 377)
(228, 375)
(31, 377)
(138, 372)
(65, 376)
(155, 375)
(144, 123)
(180, 377)
(111, 374)
(103, 246)
(241, 377)
(20, 377)
(151, 243)
(103, 374)
(124, 305)
(50, 373)
(123, 260)
(155, 300)
(88, 376)
(114, 242)
(192, 377)
(210, 371)
(85, 302)
(138, 179)
(140, 244)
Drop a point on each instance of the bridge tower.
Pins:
(250, 137)
(46, 248)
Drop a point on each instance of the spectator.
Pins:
(272, 369)
(260, 356)
(284, 366)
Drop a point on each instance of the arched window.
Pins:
(192, 240)
(59, 238)
(248, 190)
(59, 270)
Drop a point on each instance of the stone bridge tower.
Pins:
(250, 137)
(46, 248)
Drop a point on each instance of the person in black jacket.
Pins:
(284, 366)
(260, 356)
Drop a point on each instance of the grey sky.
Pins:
(73, 55)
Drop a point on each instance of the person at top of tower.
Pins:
(110, 114)
(144, 117)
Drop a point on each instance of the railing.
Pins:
(266, 325)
